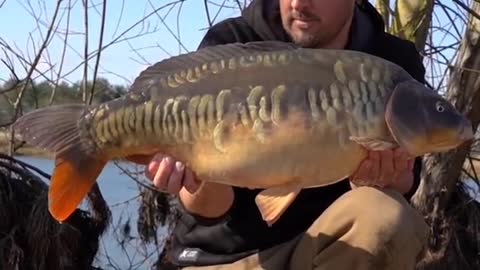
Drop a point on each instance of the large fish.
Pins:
(266, 115)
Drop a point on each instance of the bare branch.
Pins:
(207, 12)
(100, 43)
(222, 6)
(62, 59)
(85, 51)
(25, 64)
(468, 9)
(182, 46)
(121, 36)
(37, 58)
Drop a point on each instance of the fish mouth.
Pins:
(446, 146)
(466, 133)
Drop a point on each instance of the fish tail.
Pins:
(77, 166)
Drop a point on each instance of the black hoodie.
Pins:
(242, 231)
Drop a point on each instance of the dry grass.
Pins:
(29, 237)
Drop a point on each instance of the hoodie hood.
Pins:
(264, 17)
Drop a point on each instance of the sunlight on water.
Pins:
(116, 188)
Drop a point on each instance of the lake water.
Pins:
(116, 188)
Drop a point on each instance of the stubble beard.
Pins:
(302, 38)
(309, 39)
(306, 40)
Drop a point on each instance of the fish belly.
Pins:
(293, 142)
(312, 157)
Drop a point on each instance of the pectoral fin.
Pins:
(273, 202)
(374, 144)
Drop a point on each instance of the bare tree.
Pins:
(27, 71)
(444, 195)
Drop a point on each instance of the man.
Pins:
(342, 226)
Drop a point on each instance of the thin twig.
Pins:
(207, 12)
(85, 51)
(100, 43)
(64, 51)
(32, 68)
(468, 9)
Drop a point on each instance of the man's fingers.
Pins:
(404, 182)
(152, 169)
(189, 181)
(387, 168)
(164, 170)
(175, 180)
(410, 164)
(375, 170)
(363, 173)
(401, 161)
(153, 166)
(170, 176)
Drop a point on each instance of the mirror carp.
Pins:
(262, 115)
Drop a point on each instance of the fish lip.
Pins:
(466, 133)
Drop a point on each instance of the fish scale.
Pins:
(267, 115)
(329, 98)
(206, 113)
(202, 124)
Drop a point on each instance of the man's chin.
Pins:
(307, 41)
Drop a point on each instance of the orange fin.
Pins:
(140, 159)
(77, 162)
(273, 202)
(70, 184)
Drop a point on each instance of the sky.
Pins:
(126, 57)
(122, 61)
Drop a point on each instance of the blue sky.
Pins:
(120, 62)
(18, 24)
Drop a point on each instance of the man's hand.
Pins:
(171, 176)
(389, 169)
(210, 200)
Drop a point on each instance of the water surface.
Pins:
(120, 192)
(117, 188)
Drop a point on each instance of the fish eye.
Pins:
(439, 106)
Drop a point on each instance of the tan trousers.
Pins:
(366, 228)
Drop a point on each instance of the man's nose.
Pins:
(300, 4)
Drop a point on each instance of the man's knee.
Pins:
(398, 233)
(374, 226)
(381, 212)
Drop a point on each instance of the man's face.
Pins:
(315, 23)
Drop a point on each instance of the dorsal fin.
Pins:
(206, 54)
